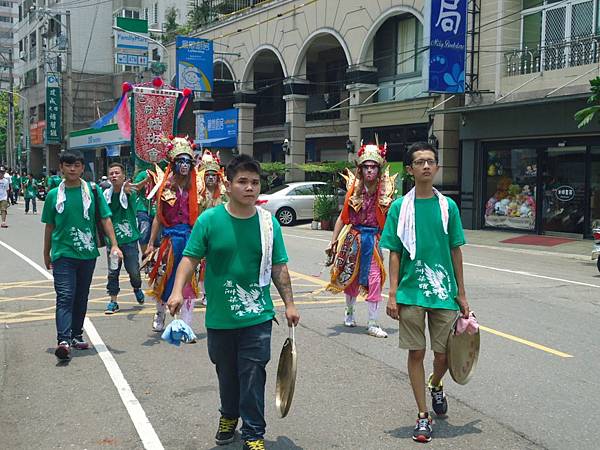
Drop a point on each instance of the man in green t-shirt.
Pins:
(52, 181)
(240, 311)
(70, 248)
(16, 187)
(424, 234)
(122, 202)
(30, 189)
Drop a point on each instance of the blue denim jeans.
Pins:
(33, 204)
(144, 223)
(241, 357)
(132, 266)
(72, 279)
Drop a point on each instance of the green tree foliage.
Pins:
(586, 115)
(4, 122)
(199, 15)
(171, 26)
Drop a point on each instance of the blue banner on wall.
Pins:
(194, 64)
(217, 129)
(447, 46)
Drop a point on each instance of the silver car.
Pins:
(291, 201)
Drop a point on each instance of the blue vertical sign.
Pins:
(447, 46)
(194, 64)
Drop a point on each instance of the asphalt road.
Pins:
(534, 387)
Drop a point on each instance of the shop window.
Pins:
(511, 188)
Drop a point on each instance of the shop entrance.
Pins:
(563, 190)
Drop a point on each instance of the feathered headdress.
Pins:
(178, 146)
(371, 152)
(210, 161)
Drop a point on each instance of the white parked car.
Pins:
(291, 201)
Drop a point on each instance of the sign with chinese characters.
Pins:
(447, 24)
(565, 193)
(36, 133)
(131, 60)
(153, 119)
(218, 128)
(53, 110)
(194, 64)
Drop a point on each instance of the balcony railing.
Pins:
(220, 9)
(558, 55)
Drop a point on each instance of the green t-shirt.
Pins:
(428, 280)
(16, 182)
(142, 203)
(30, 187)
(123, 220)
(73, 235)
(233, 252)
(53, 181)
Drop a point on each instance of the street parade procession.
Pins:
(299, 224)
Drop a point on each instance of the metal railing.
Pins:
(553, 56)
(221, 9)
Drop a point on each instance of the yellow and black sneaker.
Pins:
(226, 432)
(439, 403)
(258, 444)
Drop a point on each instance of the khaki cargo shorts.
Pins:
(412, 327)
(3, 205)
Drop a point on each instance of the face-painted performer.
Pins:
(211, 192)
(177, 207)
(358, 262)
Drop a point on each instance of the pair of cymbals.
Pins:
(463, 353)
(286, 375)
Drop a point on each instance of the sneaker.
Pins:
(439, 403)
(376, 331)
(79, 343)
(111, 308)
(158, 323)
(258, 444)
(139, 296)
(226, 432)
(349, 320)
(63, 350)
(422, 431)
(203, 302)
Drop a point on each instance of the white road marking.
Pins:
(498, 269)
(143, 426)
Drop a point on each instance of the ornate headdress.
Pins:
(179, 146)
(210, 161)
(371, 152)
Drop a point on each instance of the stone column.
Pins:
(359, 92)
(445, 129)
(295, 97)
(245, 107)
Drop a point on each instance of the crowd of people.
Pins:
(196, 227)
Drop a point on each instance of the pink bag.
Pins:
(469, 325)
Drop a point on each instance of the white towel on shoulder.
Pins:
(86, 197)
(266, 242)
(406, 220)
(122, 196)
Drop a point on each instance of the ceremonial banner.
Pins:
(153, 119)
(447, 31)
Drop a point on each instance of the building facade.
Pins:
(525, 163)
(325, 75)
(8, 15)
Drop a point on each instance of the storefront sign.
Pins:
(565, 193)
(131, 60)
(128, 40)
(153, 119)
(447, 25)
(95, 138)
(217, 129)
(113, 151)
(36, 133)
(194, 64)
(53, 94)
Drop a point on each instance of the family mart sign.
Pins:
(91, 138)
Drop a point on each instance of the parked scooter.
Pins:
(596, 249)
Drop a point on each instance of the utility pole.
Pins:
(68, 106)
(10, 128)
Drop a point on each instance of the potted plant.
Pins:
(325, 209)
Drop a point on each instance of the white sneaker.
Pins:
(376, 331)
(349, 320)
(158, 324)
(203, 302)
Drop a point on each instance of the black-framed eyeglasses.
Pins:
(422, 162)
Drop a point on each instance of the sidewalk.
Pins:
(579, 249)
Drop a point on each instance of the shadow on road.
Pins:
(441, 430)
(359, 329)
(282, 443)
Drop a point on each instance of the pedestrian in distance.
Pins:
(53, 180)
(70, 248)
(244, 250)
(15, 186)
(4, 196)
(104, 183)
(424, 234)
(121, 199)
(30, 189)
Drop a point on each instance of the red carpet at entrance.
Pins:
(532, 239)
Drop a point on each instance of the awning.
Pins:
(226, 142)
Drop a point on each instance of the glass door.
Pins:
(563, 188)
